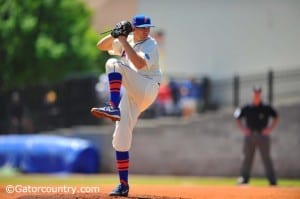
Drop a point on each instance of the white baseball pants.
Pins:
(140, 92)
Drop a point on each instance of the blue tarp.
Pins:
(48, 154)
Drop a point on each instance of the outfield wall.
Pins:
(209, 145)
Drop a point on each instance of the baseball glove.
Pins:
(122, 28)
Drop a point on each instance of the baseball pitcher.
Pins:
(139, 72)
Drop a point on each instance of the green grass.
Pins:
(134, 179)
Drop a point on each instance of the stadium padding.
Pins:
(48, 154)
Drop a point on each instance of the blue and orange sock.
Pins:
(115, 82)
(123, 165)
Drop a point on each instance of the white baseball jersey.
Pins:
(141, 86)
(147, 49)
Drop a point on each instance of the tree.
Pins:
(44, 41)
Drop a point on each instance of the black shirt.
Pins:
(256, 117)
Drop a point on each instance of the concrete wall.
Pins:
(208, 145)
(212, 146)
(106, 13)
(220, 38)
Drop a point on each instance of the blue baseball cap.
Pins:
(141, 21)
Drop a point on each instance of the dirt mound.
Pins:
(89, 196)
(172, 192)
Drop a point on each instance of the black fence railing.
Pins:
(45, 107)
(41, 108)
(278, 87)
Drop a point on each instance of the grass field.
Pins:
(106, 179)
(149, 187)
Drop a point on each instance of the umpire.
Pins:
(253, 120)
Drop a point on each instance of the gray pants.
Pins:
(250, 144)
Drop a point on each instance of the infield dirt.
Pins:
(173, 191)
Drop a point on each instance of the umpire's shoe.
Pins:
(120, 190)
(107, 111)
(242, 181)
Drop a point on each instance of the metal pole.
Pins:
(206, 93)
(236, 87)
(270, 86)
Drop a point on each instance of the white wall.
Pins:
(222, 37)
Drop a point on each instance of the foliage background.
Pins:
(45, 41)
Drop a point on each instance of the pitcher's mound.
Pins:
(171, 192)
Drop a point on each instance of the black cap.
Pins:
(256, 88)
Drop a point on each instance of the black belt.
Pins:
(256, 132)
